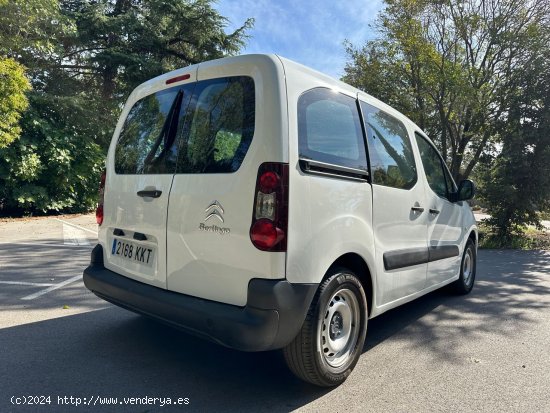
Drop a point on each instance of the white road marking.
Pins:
(38, 244)
(27, 283)
(53, 287)
(74, 236)
(77, 226)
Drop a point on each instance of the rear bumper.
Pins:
(273, 315)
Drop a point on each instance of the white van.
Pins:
(262, 205)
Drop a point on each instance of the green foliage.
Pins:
(528, 238)
(13, 85)
(55, 165)
(83, 58)
(30, 31)
(225, 145)
(119, 44)
(517, 180)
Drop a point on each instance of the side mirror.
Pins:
(466, 191)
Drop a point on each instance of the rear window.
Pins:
(147, 143)
(219, 126)
(203, 127)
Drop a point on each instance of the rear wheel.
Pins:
(328, 346)
(465, 281)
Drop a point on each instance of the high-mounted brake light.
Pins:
(270, 215)
(178, 79)
(99, 210)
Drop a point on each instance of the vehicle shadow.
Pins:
(114, 353)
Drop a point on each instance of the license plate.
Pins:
(130, 251)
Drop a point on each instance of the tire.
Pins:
(468, 266)
(328, 346)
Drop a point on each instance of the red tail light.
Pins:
(268, 231)
(99, 214)
(99, 210)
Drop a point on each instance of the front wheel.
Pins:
(465, 281)
(328, 346)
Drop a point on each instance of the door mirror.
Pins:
(466, 190)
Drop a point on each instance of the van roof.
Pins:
(290, 66)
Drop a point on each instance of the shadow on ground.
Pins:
(509, 285)
(47, 262)
(114, 353)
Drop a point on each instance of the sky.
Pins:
(309, 32)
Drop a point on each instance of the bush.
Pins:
(529, 239)
(54, 166)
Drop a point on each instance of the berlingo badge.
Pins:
(214, 210)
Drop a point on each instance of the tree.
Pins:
(31, 32)
(56, 164)
(83, 58)
(517, 180)
(448, 65)
(13, 85)
(121, 43)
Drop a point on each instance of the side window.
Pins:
(390, 151)
(329, 129)
(146, 144)
(451, 186)
(433, 167)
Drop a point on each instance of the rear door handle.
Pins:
(417, 209)
(434, 211)
(150, 194)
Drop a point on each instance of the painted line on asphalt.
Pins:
(38, 244)
(74, 236)
(77, 226)
(27, 283)
(53, 287)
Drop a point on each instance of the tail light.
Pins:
(99, 210)
(268, 231)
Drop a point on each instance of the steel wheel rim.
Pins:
(339, 328)
(467, 267)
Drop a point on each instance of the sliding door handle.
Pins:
(417, 209)
(150, 193)
(434, 211)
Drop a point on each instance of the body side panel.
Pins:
(328, 216)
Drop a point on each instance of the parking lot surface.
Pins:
(485, 352)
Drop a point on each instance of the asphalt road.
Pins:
(485, 352)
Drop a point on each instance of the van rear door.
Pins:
(140, 168)
(236, 121)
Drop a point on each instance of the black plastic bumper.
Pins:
(273, 315)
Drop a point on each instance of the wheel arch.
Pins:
(473, 236)
(358, 265)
